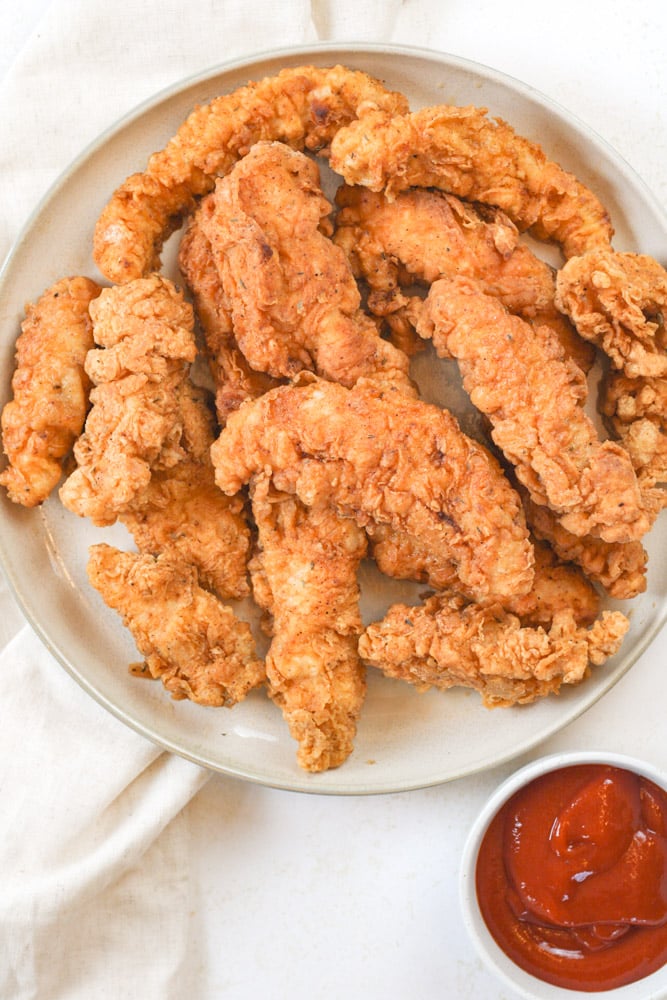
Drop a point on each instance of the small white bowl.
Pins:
(653, 987)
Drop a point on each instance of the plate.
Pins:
(405, 740)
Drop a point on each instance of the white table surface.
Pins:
(306, 896)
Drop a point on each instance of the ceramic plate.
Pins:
(405, 740)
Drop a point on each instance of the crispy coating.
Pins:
(463, 151)
(636, 409)
(305, 575)
(382, 456)
(292, 297)
(233, 377)
(422, 235)
(619, 302)
(446, 643)
(303, 106)
(47, 413)
(190, 640)
(183, 512)
(517, 376)
(619, 567)
(137, 421)
(557, 585)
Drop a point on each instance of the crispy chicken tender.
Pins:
(619, 567)
(190, 640)
(305, 575)
(378, 455)
(422, 235)
(291, 294)
(636, 408)
(303, 106)
(446, 643)
(517, 376)
(464, 152)
(137, 420)
(619, 302)
(45, 417)
(233, 377)
(182, 512)
(557, 585)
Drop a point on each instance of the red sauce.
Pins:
(572, 877)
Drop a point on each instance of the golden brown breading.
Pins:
(137, 421)
(380, 455)
(619, 302)
(182, 512)
(446, 643)
(636, 408)
(517, 376)
(305, 575)
(190, 640)
(557, 585)
(422, 235)
(619, 567)
(289, 290)
(303, 106)
(464, 152)
(45, 417)
(233, 377)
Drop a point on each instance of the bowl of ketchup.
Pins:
(564, 879)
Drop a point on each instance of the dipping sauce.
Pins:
(572, 877)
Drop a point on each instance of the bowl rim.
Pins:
(652, 987)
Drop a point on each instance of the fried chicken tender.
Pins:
(423, 235)
(446, 643)
(517, 376)
(636, 408)
(291, 294)
(557, 585)
(233, 377)
(137, 421)
(378, 455)
(619, 567)
(619, 302)
(190, 640)
(183, 513)
(45, 417)
(305, 575)
(303, 106)
(464, 152)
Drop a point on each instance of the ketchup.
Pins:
(572, 877)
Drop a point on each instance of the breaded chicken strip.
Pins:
(619, 567)
(291, 294)
(464, 152)
(446, 643)
(517, 376)
(619, 302)
(303, 106)
(636, 408)
(305, 576)
(45, 417)
(382, 456)
(557, 585)
(137, 421)
(182, 512)
(190, 640)
(422, 235)
(233, 377)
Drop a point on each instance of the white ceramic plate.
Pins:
(405, 740)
